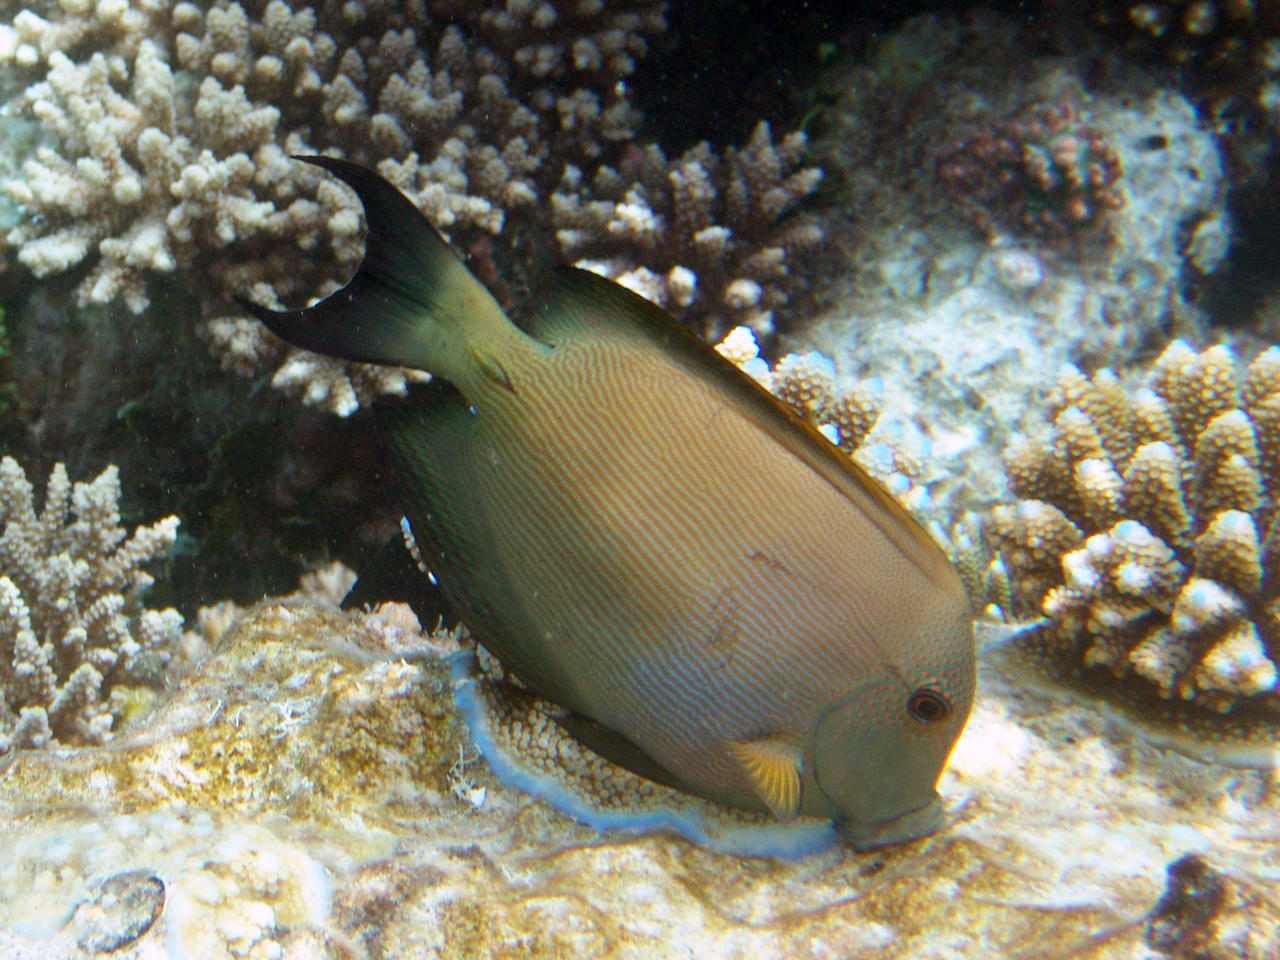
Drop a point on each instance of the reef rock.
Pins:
(309, 791)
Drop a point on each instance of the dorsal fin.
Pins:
(584, 304)
(773, 764)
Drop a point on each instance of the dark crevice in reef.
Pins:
(725, 64)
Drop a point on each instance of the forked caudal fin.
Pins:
(411, 303)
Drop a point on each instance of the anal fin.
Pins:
(615, 748)
(397, 573)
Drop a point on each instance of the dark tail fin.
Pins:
(411, 303)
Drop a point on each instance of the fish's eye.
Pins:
(928, 706)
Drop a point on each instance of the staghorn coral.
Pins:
(168, 151)
(1146, 527)
(74, 636)
(1042, 170)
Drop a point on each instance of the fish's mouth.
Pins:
(906, 826)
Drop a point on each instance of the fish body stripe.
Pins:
(695, 585)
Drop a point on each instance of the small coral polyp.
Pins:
(1044, 170)
(1146, 529)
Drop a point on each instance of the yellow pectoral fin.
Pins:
(773, 764)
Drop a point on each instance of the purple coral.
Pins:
(1042, 170)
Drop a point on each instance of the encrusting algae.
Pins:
(725, 604)
(1147, 534)
(300, 716)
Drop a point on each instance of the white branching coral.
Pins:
(702, 235)
(146, 179)
(589, 37)
(809, 384)
(1147, 527)
(74, 636)
(169, 129)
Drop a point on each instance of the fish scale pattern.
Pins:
(1146, 529)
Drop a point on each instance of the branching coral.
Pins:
(74, 636)
(687, 234)
(1146, 529)
(586, 37)
(807, 382)
(168, 150)
(1043, 170)
(1215, 35)
(146, 179)
(845, 413)
(1227, 51)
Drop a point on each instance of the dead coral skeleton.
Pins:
(1146, 529)
(74, 634)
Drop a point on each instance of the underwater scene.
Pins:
(625, 479)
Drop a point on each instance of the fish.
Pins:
(714, 595)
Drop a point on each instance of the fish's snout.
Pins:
(908, 826)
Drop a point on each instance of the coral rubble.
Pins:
(76, 644)
(1207, 913)
(1146, 526)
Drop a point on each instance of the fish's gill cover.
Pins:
(1146, 532)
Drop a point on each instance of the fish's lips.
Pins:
(911, 825)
